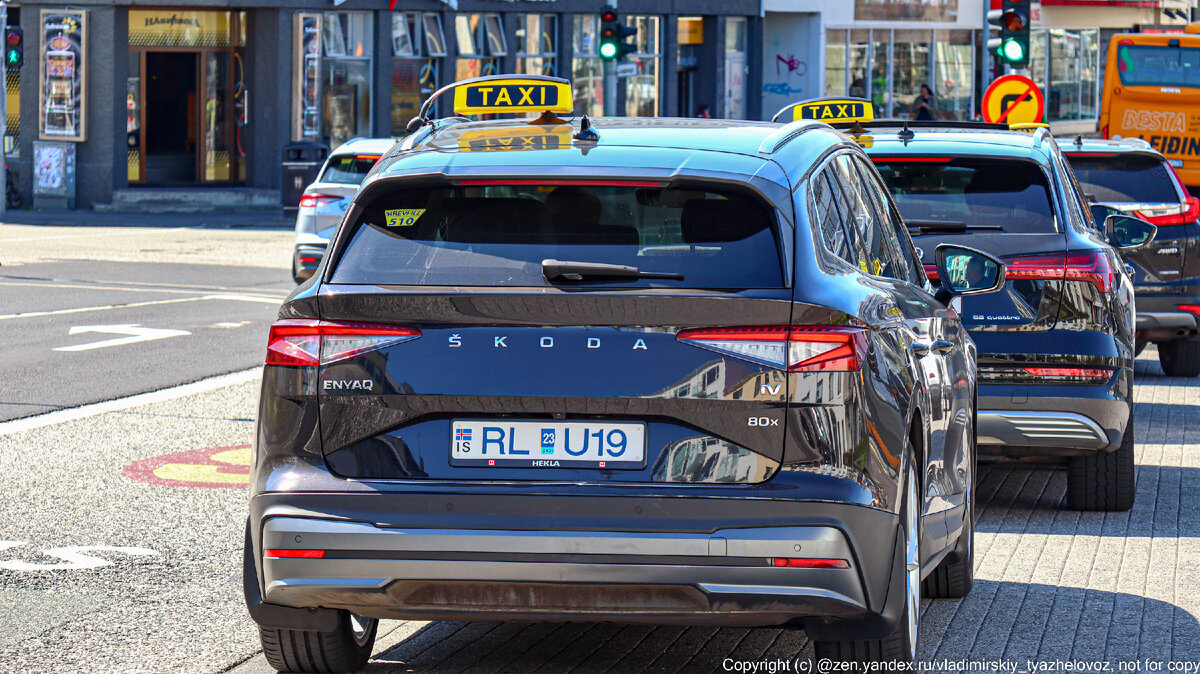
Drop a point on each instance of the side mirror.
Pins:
(965, 271)
(1126, 232)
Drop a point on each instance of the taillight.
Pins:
(309, 343)
(290, 553)
(1070, 374)
(1091, 267)
(809, 563)
(1190, 308)
(315, 200)
(799, 348)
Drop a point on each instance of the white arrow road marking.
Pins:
(72, 555)
(134, 330)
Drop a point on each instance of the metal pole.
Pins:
(4, 111)
(610, 77)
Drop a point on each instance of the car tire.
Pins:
(1103, 480)
(900, 645)
(1180, 358)
(346, 649)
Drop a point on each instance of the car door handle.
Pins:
(941, 346)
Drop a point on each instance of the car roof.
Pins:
(365, 145)
(634, 146)
(1108, 146)
(958, 142)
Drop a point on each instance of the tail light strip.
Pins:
(1092, 268)
(309, 343)
(1045, 375)
(809, 563)
(806, 348)
(315, 200)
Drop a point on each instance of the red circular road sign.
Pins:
(1013, 99)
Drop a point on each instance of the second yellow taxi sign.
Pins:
(832, 110)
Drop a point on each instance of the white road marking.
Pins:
(128, 305)
(73, 556)
(107, 231)
(136, 333)
(118, 404)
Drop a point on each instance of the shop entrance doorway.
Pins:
(170, 140)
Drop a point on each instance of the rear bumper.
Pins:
(535, 570)
(1160, 320)
(1016, 421)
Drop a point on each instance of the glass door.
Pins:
(218, 156)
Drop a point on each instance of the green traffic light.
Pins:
(608, 49)
(13, 56)
(1012, 50)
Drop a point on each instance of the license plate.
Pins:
(547, 444)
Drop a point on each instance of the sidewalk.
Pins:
(273, 218)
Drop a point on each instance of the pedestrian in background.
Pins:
(924, 107)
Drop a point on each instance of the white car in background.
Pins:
(324, 201)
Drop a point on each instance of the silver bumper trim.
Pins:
(1040, 429)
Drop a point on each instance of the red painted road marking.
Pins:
(1004, 115)
(209, 468)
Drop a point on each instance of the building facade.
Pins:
(206, 94)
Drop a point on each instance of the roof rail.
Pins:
(786, 133)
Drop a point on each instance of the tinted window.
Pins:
(1124, 178)
(988, 194)
(498, 235)
(1143, 65)
(887, 245)
(828, 207)
(348, 169)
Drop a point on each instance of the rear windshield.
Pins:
(977, 194)
(348, 169)
(1131, 178)
(499, 234)
(1143, 65)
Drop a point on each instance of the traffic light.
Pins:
(1012, 45)
(614, 37)
(14, 54)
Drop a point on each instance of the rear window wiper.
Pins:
(555, 270)
(948, 226)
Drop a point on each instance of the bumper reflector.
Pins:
(810, 563)
(293, 554)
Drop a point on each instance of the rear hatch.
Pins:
(1143, 185)
(1000, 206)
(514, 349)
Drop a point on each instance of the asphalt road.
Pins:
(120, 541)
(84, 330)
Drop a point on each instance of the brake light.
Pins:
(368, 157)
(808, 348)
(309, 343)
(554, 182)
(1090, 267)
(809, 563)
(315, 200)
(1190, 308)
(286, 553)
(1069, 374)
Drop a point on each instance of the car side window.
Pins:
(827, 214)
(892, 246)
(866, 220)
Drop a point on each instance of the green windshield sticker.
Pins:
(402, 217)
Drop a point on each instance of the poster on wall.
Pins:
(62, 86)
(308, 77)
(901, 10)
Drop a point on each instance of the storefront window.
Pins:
(414, 72)
(953, 62)
(910, 69)
(587, 70)
(642, 89)
(537, 44)
(881, 58)
(133, 118)
(346, 39)
(735, 67)
(835, 62)
(858, 54)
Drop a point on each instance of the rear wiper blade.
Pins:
(947, 226)
(554, 270)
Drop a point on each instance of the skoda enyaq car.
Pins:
(1056, 345)
(647, 370)
(324, 202)
(1130, 177)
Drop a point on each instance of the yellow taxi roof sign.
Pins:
(526, 138)
(838, 110)
(512, 94)
(1028, 126)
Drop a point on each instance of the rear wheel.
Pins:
(901, 645)
(346, 649)
(1104, 480)
(1180, 358)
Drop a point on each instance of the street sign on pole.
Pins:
(626, 69)
(1013, 99)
